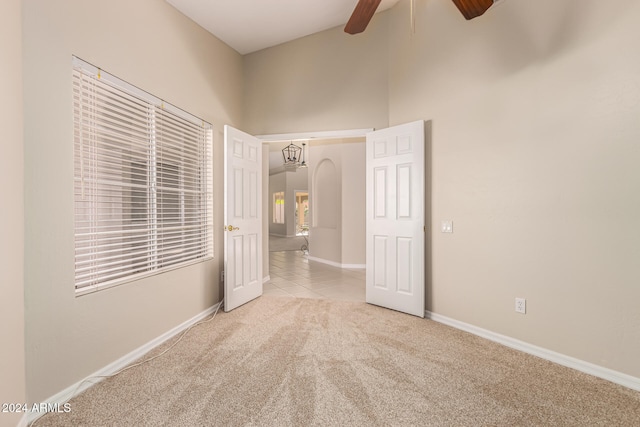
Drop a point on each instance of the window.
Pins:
(278, 207)
(302, 213)
(142, 182)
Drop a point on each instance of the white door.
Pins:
(395, 218)
(242, 218)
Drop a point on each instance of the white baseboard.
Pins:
(265, 279)
(356, 266)
(24, 421)
(561, 359)
(336, 264)
(66, 394)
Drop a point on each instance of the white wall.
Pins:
(534, 155)
(12, 361)
(151, 45)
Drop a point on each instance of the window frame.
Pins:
(163, 167)
(278, 208)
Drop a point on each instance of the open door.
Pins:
(242, 218)
(395, 253)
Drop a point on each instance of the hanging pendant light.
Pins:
(303, 158)
(291, 155)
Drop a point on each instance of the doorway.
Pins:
(406, 203)
(302, 212)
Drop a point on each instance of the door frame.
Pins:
(351, 133)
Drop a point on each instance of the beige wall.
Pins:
(326, 81)
(151, 45)
(325, 203)
(340, 238)
(534, 132)
(12, 362)
(535, 158)
(353, 204)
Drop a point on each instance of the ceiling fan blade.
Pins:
(361, 16)
(473, 8)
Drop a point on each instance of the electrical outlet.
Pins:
(521, 305)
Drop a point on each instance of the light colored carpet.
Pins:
(277, 243)
(280, 361)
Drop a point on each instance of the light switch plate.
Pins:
(447, 226)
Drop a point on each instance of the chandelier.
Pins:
(293, 156)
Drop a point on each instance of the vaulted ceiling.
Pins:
(251, 25)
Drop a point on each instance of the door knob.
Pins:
(231, 228)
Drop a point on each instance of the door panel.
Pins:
(395, 218)
(243, 218)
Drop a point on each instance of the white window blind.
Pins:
(142, 188)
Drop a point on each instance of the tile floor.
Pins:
(292, 274)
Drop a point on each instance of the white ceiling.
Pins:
(251, 25)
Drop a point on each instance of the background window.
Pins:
(278, 207)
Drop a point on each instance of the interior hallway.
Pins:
(292, 274)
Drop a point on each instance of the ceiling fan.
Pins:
(365, 9)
